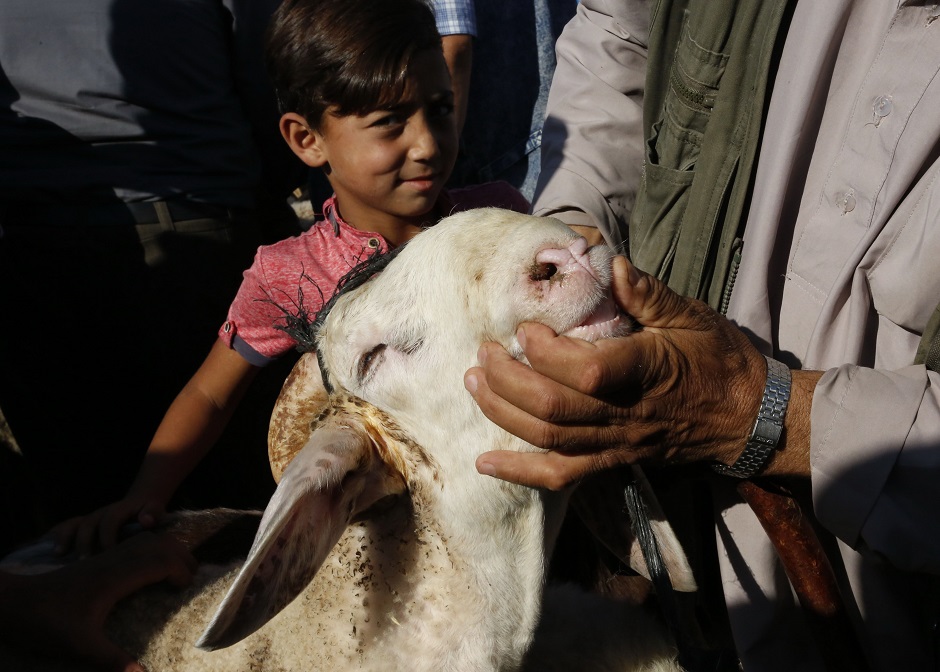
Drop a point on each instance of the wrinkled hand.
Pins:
(62, 613)
(100, 529)
(684, 388)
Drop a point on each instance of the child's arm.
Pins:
(191, 425)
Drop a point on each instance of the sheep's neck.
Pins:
(404, 578)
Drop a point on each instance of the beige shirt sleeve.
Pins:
(876, 458)
(592, 140)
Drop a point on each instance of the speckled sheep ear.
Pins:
(337, 475)
(302, 400)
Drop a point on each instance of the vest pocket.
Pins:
(673, 152)
(691, 92)
(657, 215)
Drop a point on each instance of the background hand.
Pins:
(100, 529)
(62, 613)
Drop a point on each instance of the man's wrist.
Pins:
(768, 427)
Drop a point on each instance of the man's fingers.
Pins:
(554, 471)
(590, 368)
(63, 535)
(151, 514)
(108, 528)
(504, 413)
(86, 538)
(575, 371)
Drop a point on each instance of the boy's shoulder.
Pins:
(319, 251)
(497, 194)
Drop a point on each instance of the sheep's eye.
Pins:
(368, 360)
(542, 271)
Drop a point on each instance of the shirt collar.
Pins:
(442, 208)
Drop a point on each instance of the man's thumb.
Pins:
(647, 299)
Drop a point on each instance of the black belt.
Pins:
(142, 212)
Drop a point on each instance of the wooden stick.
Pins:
(811, 574)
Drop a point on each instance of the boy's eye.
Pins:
(441, 109)
(389, 119)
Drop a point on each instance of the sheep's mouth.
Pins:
(606, 321)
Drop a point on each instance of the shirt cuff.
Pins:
(455, 18)
(251, 355)
(861, 419)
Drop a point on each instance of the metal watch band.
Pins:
(767, 428)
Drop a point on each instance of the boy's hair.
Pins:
(349, 54)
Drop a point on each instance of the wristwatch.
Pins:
(768, 427)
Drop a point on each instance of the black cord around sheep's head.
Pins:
(303, 327)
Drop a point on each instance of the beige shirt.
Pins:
(840, 272)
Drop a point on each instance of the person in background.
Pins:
(837, 283)
(508, 90)
(140, 166)
(366, 97)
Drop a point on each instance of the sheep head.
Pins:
(398, 420)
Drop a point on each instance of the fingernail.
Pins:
(471, 383)
(481, 355)
(520, 336)
(486, 468)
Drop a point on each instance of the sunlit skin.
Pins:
(387, 167)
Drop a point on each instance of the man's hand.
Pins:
(685, 388)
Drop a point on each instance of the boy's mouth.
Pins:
(422, 182)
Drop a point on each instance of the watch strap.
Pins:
(768, 428)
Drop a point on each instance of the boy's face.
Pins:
(388, 167)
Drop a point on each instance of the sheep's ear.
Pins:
(336, 476)
(303, 397)
(611, 525)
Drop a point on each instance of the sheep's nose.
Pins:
(551, 261)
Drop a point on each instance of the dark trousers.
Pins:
(101, 325)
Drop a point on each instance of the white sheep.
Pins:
(382, 548)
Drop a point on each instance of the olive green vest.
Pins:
(702, 125)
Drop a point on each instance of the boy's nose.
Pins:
(424, 143)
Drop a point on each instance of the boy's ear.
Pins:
(305, 142)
